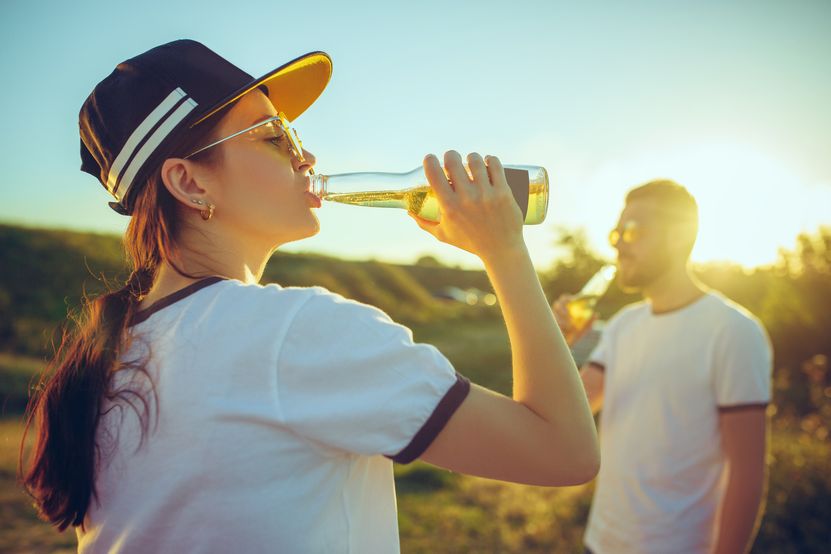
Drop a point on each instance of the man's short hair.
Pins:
(673, 203)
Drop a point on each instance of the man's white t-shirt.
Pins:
(280, 411)
(666, 379)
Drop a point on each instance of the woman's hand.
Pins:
(478, 210)
(544, 434)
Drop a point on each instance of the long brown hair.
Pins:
(66, 404)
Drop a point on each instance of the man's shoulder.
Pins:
(731, 313)
(734, 325)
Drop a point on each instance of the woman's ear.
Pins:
(180, 178)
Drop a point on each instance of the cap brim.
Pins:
(292, 87)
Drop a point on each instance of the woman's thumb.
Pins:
(425, 224)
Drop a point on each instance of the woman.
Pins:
(196, 410)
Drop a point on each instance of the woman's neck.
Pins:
(206, 255)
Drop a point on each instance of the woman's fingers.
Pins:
(477, 169)
(458, 175)
(475, 216)
(497, 174)
(438, 180)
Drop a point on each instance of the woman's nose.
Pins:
(308, 162)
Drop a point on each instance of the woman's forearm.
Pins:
(545, 377)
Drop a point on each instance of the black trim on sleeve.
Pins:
(740, 407)
(446, 407)
(598, 365)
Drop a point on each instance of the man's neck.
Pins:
(673, 291)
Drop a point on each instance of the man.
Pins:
(683, 379)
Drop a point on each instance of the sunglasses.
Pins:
(277, 128)
(629, 233)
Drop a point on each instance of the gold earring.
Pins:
(208, 212)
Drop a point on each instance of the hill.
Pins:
(46, 272)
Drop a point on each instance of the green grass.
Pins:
(17, 374)
(478, 349)
(443, 512)
(20, 529)
(470, 514)
(439, 511)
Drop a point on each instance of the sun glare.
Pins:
(750, 203)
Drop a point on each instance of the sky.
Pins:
(731, 99)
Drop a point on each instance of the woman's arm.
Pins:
(545, 434)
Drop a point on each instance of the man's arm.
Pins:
(744, 439)
(592, 372)
(592, 376)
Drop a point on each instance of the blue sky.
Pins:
(729, 98)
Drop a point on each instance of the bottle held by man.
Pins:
(581, 306)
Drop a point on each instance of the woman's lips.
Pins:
(313, 199)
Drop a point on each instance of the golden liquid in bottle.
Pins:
(580, 310)
(422, 201)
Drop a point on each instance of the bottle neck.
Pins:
(351, 183)
(319, 184)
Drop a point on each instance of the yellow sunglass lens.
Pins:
(629, 235)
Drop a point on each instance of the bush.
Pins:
(798, 508)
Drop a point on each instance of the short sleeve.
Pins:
(742, 365)
(350, 378)
(601, 353)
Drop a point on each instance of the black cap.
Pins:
(133, 118)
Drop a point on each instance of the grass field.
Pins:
(441, 512)
(438, 512)
(20, 530)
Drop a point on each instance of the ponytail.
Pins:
(67, 405)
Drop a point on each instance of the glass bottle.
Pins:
(412, 192)
(581, 306)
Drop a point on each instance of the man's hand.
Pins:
(572, 330)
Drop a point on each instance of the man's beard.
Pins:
(639, 275)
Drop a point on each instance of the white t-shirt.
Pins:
(279, 413)
(666, 379)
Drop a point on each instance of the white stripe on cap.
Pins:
(139, 133)
(152, 142)
(162, 113)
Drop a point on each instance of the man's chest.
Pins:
(652, 359)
